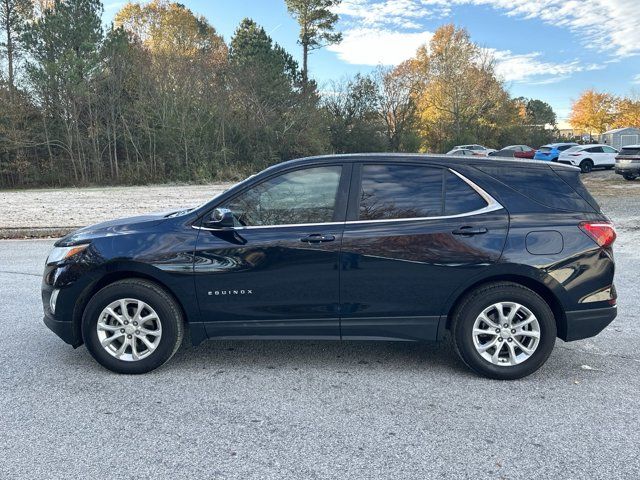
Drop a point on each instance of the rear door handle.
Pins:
(469, 231)
(317, 238)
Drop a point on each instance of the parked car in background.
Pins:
(480, 149)
(465, 151)
(551, 151)
(628, 162)
(521, 151)
(589, 156)
(503, 153)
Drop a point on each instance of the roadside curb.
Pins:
(7, 233)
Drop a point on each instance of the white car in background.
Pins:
(477, 149)
(464, 152)
(587, 157)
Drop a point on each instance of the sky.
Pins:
(547, 49)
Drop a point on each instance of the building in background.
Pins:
(621, 137)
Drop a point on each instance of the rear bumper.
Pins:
(588, 323)
(626, 168)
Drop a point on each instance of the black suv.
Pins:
(504, 256)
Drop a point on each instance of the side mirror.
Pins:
(221, 219)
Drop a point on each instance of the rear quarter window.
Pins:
(543, 186)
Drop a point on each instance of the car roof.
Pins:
(559, 144)
(439, 159)
(631, 146)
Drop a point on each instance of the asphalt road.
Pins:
(312, 409)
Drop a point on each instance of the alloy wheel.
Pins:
(129, 329)
(506, 333)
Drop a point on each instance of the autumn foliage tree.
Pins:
(627, 112)
(593, 112)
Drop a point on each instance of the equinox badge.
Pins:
(230, 292)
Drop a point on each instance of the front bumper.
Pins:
(588, 323)
(66, 330)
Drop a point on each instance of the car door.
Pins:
(414, 234)
(276, 272)
(596, 154)
(609, 155)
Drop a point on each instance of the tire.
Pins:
(586, 166)
(629, 176)
(158, 314)
(485, 297)
(609, 167)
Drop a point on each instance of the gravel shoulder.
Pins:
(55, 212)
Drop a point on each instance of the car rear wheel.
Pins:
(132, 326)
(503, 330)
(586, 166)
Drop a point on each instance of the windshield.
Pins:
(630, 151)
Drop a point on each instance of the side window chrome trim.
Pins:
(492, 206)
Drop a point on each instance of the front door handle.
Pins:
(317, 238)
(469, 231)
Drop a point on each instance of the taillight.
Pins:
(575, 154)
(603, 233)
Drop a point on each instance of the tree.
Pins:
(169, 28)
(355, 120)
(459, 98)
(273, 117)
(539, 113)
(14, 15)
(593, 112)
(63, 46)
(396, 102)
(317, 25)
(627, 113)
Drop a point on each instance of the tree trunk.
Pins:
(10, 49)
(305, 59)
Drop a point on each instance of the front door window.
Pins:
(297, 197)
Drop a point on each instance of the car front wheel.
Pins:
(503, 330)
(132, 326)
(629, 176)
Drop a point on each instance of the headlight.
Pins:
(63, 253)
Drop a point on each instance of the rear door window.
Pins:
(400, 191)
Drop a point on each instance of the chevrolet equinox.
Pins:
(500, 256)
